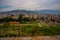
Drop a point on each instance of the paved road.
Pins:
(33, 38)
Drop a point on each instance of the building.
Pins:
(14, 22)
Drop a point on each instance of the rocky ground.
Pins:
(32, 38)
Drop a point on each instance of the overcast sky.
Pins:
(7, 5)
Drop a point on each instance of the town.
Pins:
(47, 18)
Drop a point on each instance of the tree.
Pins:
(26, 19)
(1, 21)
(52, 19)
(20, 18)
(33, 19)
(7, 19)
(42, 18)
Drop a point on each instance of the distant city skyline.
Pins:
(7, 5)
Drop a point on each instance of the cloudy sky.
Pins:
(7, 5)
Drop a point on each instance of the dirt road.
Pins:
(33, 38)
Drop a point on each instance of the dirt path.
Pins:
(33, 38)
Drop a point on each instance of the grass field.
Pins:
(32, 29)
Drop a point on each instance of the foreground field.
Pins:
(28, 30)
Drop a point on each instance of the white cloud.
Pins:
(32, 4)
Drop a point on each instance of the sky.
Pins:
(7, 5)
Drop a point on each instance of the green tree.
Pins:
(7, 19)
(20, 18)
(26, 19)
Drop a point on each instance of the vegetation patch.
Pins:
(28, 30)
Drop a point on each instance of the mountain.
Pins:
(17, 12)
(48, 11)
(30, 12)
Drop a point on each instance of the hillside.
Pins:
(30, 12)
